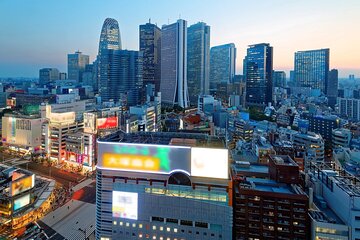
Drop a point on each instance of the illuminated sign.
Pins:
(105, 123)
(22, 185)
(209, 162)
(21, 202)
(89, 123)
(143, 158)
(67, 117)
(163, 159)
(125, 205)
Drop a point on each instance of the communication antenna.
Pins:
(180, 16)
(149, 20)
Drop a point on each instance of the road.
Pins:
(67, 179)
(63, 177)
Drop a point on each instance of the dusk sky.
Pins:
(36, 34)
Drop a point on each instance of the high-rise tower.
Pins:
(312, 68)
(109, 40)
(121, 76)
(198, 60)
(259, 69)
(76, 65)
(150, 45)
(173, 87)
(110, 36)
(222, 65)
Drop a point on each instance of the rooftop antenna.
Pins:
(179, 16)
(168, 21)
(149, 20)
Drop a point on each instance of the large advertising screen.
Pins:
(22, 185)
(21, 202)
(209, 162)
(105, 123)
(143, 158)
(125, 205)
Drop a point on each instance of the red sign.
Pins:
(105, 123)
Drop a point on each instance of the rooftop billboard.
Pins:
(22, 184)
(163, 159)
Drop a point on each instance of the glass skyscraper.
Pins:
(121, 76)
(76, 65)
(109, 39)
(259, 68)
(311, 69)
(173, 87)
(198, 60)
(150, 45)
(222, 65)
(110, 36)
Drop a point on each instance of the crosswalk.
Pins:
(15, 161)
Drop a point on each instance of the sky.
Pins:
(40, 33)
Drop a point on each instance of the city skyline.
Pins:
(291, 26)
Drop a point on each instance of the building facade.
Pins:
(110, 36)
(47, 75)
(198, 60)
(150, 45)
(76, 65)
(21, 133)
(349, 108)
(121, 76)
(259, 69)
(174, 85)
(222, 65)
(164, 192)
(279, 79)
(311, 69)
(332, 87)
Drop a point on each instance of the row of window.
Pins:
(155, 228)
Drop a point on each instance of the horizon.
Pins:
(309, 25)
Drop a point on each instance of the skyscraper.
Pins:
(76, 65)
(173, 87)
(110, 36)
(150, 45)
(259, 68)
(109, 39)
(198, 59)
(47, 75)
(121, 76)
(222, 64)
(311, 69)
(279, 79)
(332, 87)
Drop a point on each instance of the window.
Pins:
(186, 223)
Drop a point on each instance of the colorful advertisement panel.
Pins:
(21, 202)
(105, 123)
(22, 185)
(209, 162)
(125, 205)
(143, 158)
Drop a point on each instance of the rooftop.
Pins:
(268, 185)
(167, 138)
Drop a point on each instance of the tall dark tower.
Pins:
(259, 69)
(150, 45)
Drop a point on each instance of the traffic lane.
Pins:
(61, 176)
